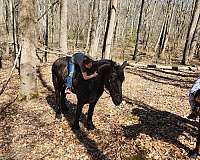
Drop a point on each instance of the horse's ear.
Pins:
(113, 63)
(124, 64)
(104, 68)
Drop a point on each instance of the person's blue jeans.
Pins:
(71, 69)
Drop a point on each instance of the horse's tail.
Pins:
(59, 71)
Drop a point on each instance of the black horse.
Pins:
(110, 76)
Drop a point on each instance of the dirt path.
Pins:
(150, 123)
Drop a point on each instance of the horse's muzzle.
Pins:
(117, 99)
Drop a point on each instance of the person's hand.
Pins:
(95, 74)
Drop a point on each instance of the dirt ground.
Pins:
(149, 124)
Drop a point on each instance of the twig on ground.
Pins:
(4, 108)
(11, 72)
(53, 52)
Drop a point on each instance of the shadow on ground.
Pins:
(163, 77)
(69, 113)
(160, 125)
(90, 145)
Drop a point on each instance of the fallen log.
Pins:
(175, 68)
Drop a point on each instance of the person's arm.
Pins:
(86, 77)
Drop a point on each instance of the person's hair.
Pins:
(87, 60)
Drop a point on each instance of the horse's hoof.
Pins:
(58, 116)
(65, 110)
(75, 127)
(192, 154)
(90, 127)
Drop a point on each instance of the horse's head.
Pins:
(114, 79)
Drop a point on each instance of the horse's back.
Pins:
(59, 71)
(60, 63)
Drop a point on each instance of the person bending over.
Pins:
(194, 99)
(84, 62)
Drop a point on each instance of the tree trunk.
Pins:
(28, 79)
(124, 29)
(63, 26)
(46, 31)
(99, 28)
(52, 23)
(95, 29)
(12, 9)
(78, 23)
(163, 34)
(194, 41)
(109, 29)
(190, 33)
(91, 5)
(138, 31)
(7, 22)
(179, 20)
(168, 31)
(116, 30)
(150, 27)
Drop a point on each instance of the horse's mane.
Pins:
(103, 65)
(104, 61)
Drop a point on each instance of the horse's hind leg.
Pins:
(63, 100)
(58, 104)
(77, 117)
(57, 93)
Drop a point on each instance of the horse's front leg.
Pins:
(90, 125)
(77, 117)
(195, 152)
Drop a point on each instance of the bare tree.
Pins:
(28, 77)
(7, 23)
(96, 26)
(109, 29)
(116, 30)
(63, 26)
(150, 26)
(46, 41)
(78, 23)
(168, 29)
(124, 29)
(165, 30)
(91, 24)
(195, 40)
(93, 28)
(14, 36)
(186, 53)
(138, 31)
(91, 5)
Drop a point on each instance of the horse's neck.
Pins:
(103, 61)
(102, 75)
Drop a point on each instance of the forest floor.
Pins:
(149, 124)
